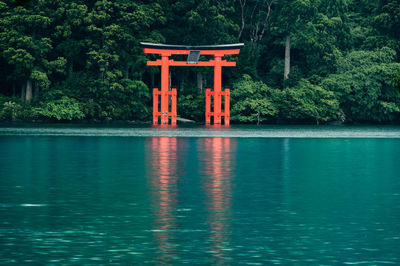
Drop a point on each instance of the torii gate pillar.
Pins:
(167, 110)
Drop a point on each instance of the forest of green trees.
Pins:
(304, 61)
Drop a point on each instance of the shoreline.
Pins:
(185, 122)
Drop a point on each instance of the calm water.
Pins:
(90, 198)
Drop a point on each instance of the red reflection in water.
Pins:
(164, 177)
(218, 187)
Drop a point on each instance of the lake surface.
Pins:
(246, 195)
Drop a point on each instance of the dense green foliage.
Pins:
(254, 101)
(75, 60)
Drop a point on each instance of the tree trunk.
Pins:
(70, 68)
(200, 81)
(287, 58)
(28, 95)
(36, 90)
(126, 73)
(242, 4)
(13, 89)
(23, 91)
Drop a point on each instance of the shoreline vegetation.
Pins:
(182, 122)
(304, 62)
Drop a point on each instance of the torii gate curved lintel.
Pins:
(165, 51)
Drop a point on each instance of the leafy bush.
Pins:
(308, 102)
(135, 97)
(365, 84)
(62, 109)
(10, 111)
(253, 101)
(191, 107)
(91, 109)
(13, 109)
(112, 100)
(126, 100)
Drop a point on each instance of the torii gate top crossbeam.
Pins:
(167, 49)
(235, 46)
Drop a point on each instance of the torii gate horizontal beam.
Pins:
(235, 46)
(167, 52)
(158, 62)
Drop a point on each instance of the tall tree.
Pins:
(25, 44)
(255, 21)
(70, 36)
(290, 19)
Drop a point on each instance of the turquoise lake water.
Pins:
(244, 195)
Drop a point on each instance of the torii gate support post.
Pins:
(164, 88)
(218, 93)
(217, 90)
(164, 93)
(165, 51)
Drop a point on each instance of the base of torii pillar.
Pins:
(217, 115)
(166, 115)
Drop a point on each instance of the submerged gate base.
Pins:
(167, 115)
(217, 113)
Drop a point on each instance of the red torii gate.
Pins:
(193, 52)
